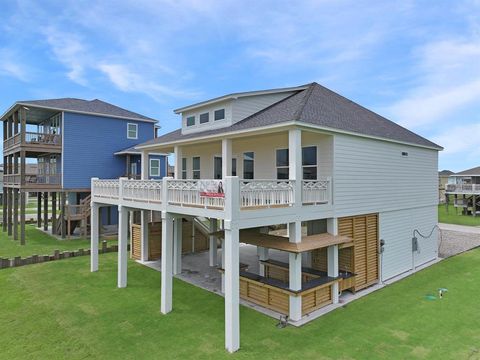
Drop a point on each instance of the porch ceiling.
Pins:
(309, 242)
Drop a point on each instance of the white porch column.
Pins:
(223, 266)
(122, 246)
(178, 162)
(295, 171)
(144, 235)
(232, 290)
(94, 234)
(226, 158)
(131, 215)
(167, 263)
(295, 271)
(332, 258)
(177, 246)
(212, 252)
(144, 166)
(262, 254)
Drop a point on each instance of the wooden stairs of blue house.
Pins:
(75, 216)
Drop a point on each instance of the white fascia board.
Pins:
(278, 127)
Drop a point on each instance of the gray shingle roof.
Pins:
(473, 171)
(445, 172)
(318, 106)
(88, 106)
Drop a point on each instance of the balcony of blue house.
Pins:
(156, 164)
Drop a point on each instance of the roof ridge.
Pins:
(298, 113)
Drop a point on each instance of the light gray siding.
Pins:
(373, 176)
(248, 105)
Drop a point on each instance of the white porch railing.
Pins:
(316, 191)
(106, 188)
(142, 190)
(266, 193)
(187, 193)
(463, 188)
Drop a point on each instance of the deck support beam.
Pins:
(94, 236)
(5, 207)
(15, 214)
(122, 246)
(22, 217)
(9, 211)
(63, 217)
(332, 259)
(45, 211)
(54, 213)
(167, 263)
(178, 162)
(226, 158)
(144, 235)
(212, 251)
(177, 246)
(39, 209)
(295, 272)
(232, 290)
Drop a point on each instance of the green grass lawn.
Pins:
(39, 243)
(61, 310)
(453, 218)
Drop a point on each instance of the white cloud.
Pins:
(460, 142)
(10, 65)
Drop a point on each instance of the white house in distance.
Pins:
(336, 175)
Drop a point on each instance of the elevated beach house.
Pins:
(464, 189)
(68, 141)
(299, 171)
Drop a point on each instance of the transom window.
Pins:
(204, 118)
(154, 167)
(190, 120)
(248, 165)
(184, 168)
(132, 131)
(282, 164)
(196, 167)
(309, 162)
(219, 114)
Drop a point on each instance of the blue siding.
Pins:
(89, 146)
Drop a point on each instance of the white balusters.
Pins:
(266, 193)
(316, 191)
(105, 188)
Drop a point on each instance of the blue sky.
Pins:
(415, 62)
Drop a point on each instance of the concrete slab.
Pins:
(460, 228)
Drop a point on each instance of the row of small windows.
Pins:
(205, 117)
(309, 165)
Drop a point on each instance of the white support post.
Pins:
(295, 171)
(94, 236)
(262, 254)
(226, 158)
(144, 235)
(332, 258)
(178, 162)
(131, 215)
(177, 246)
(212, 252)
(295, 272)
(167, 263)
(122, 246)
(332, 264)
(144, 165)
(223, 266)
(232, 290)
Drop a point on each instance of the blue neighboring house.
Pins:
(71, 140)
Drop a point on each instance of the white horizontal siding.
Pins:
(396, 229)
(373, 176)
(248, 105)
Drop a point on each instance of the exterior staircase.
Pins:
(75, 216)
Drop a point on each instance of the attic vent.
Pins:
(404, 153)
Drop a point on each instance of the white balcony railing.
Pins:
(142, 190)
(266, 193)
(463, 188)
(316, 191)
(106, 188)
(252, 194)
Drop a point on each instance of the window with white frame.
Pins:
(196, 167)
(132, 131)
(190, 120)
(309, 162)
(282, 164)
(219, 114)
(154, 167)
(184, 168)
(204, 118)
(248, 165)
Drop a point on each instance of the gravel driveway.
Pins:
(455, 242)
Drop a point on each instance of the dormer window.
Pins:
(219, 114)
(204, 118)
(132, 131)
(190, 120)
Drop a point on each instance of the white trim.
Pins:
(75, 112)
(238, 95)
(224, 114)
(128, 131)
(135, 152)
(280, 127)
(150, 168)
